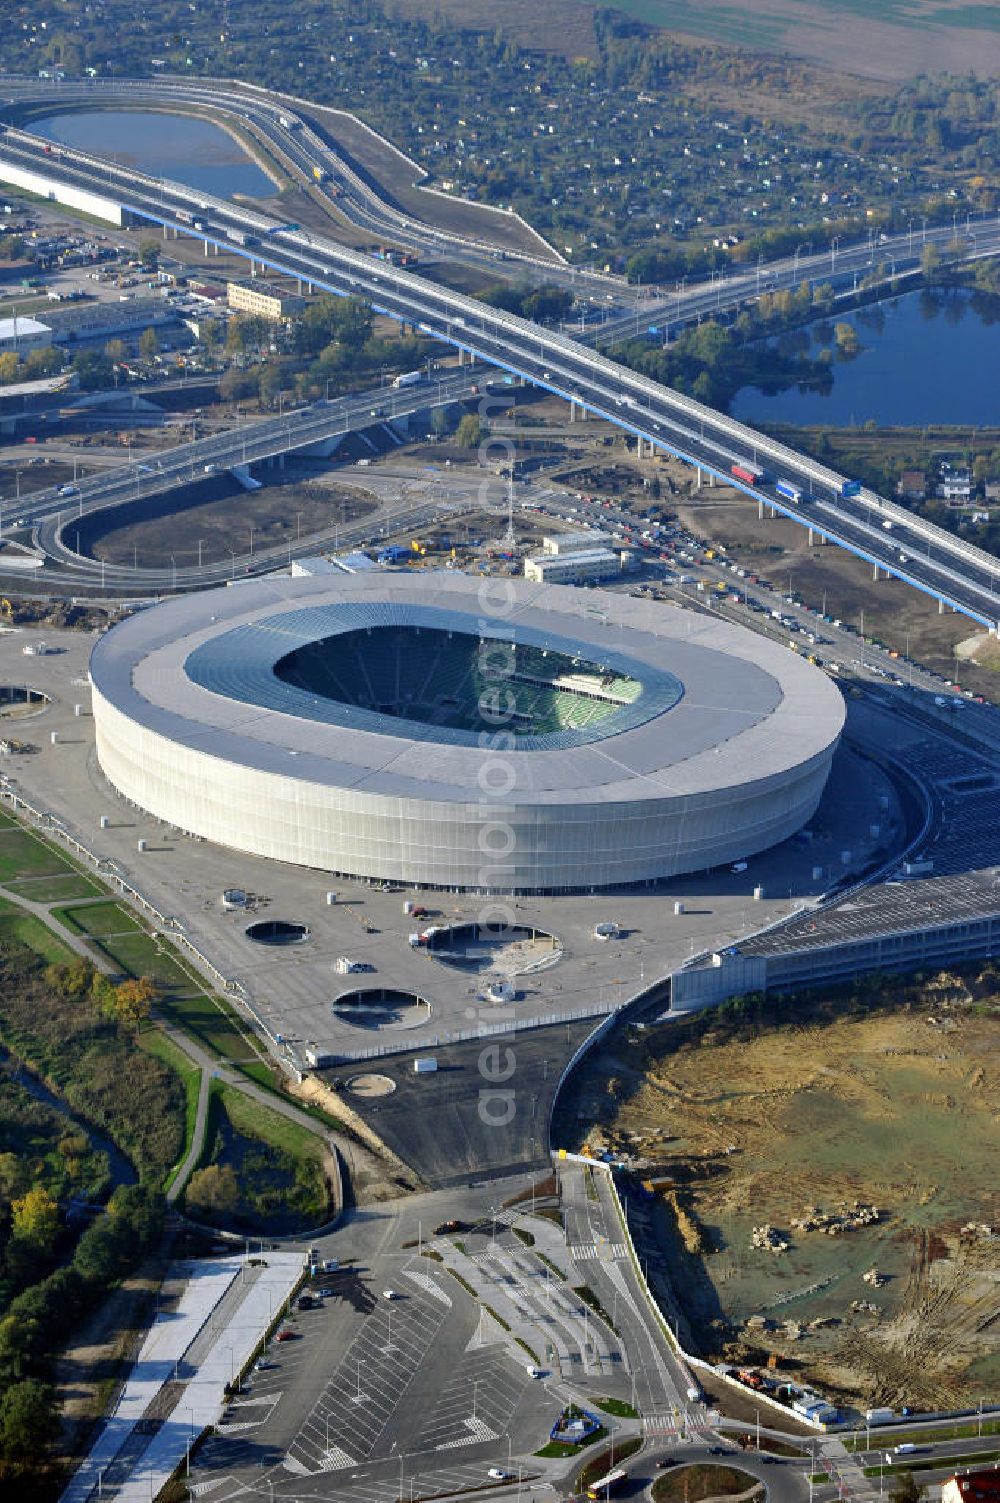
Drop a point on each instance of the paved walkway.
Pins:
(166, 1342)
(196, 1352)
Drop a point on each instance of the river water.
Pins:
(926, 357)
(190, 151)
(121, 1169)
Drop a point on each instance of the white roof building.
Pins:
(21, 334)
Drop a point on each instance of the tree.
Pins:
(115, 350)
(35, 1219)
(268, 384)
(149, 254)
(906, 1490)
(44, 362)
(212, 1191)
(440, 422)
(149, 344)
(28, 1421)
(132, 1001)
(470, 432)
(236, 384)
(13, 1175)
(930, 261)
(236, 337)
(93, 369)
(71, 980)
(846, 337)
(209, 335)
(8, 367)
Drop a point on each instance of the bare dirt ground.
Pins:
(99, 1355)
(893, 612)
(893, 1107)
(292, 504)
(881, 40)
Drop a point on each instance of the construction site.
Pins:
(823, 1184)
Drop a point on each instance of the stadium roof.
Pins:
(196, 670)
(240, 664)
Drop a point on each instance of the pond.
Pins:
(188, 150)
(931, 356)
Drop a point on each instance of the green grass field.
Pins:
(59, 889)
(99, 919)
(215, 1027)
(25, 854)
(19, 927)
(254, 1120)
(139, 954)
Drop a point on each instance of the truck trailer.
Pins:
(789, 491)
(408, 378)
(746, 471)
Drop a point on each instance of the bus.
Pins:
(605, 1486)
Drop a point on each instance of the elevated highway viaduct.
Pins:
(956, 573)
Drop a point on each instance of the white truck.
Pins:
(408, 378)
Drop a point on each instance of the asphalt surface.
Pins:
(595, 1238)
(372, 1395)
(484, 1111)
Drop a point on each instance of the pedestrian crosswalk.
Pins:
(605, 1250)
(659, 1424)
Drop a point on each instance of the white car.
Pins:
(389, 1294)
(497, 1474)
(534, 1372)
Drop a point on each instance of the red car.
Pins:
(288, 1335)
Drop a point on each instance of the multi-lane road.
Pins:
(55, 514)
(295, 140)
(885, 534)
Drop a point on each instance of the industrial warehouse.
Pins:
(396, 728)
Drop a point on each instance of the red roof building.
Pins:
(973, 1487)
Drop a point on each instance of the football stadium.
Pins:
(436, 730)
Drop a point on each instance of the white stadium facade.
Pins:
(438, 730)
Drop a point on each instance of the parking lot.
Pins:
(372, 1395)
(366, 1387)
